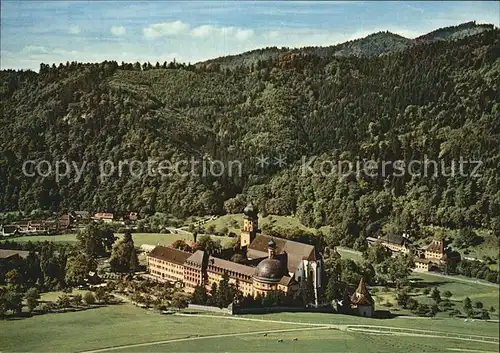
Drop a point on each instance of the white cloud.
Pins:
(244, 34)
(74, 29)
(205, 31)
(38, 49)
(118, 30)
(165, 29)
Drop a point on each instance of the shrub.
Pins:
(89, 298)
(485, 315)
(447, 294)
(77, 299)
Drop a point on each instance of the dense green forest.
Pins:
(438, 100)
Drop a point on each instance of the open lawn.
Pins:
(455, 325)
(139, 238)
(138, 330)
(110, 326)
(487, 294)
(318, 341)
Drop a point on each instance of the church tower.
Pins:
(250, 225)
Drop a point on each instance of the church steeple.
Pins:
(250, 225)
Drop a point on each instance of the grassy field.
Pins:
(139, 238)
(455, 325)
(122, 325)
(110, 326)
(488, 295)
(319, 341)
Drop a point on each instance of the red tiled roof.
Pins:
(170, 255)
(215, 262)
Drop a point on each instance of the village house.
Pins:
(65, 221)
(426, 258)
(81, 216)
(104, 217)
(396, 243)
(37, 227)
(8, 230)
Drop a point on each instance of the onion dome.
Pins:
(271, 244)
(269, 271)
(251, 210)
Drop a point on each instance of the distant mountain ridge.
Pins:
(375, 44)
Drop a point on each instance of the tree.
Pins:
(468, 307)
(14, 280)
(238, 258)
(123, 254)
(435, 295)
(377, 254)
(89, 298)
(225, 292)
(100, 294)
(434, 309)
(206, 243)
(199, 295)
(465, 238)
(179, 301)
(485, 315)
(181, 245)
(447, 294)
(478, 305)
(306, 290)
(212, 299)
(492, 309)
(32, 297)
(77, 269)
(402, 298)
(422, 309)
(134, 261)
(396, 270)
(77, 299)
(412, 304)
(63, 301)
(97, 239)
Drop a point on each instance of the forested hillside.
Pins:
(440, 100)
(374, 44)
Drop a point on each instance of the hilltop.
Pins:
(371, 45)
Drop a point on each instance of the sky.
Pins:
(190, 31)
